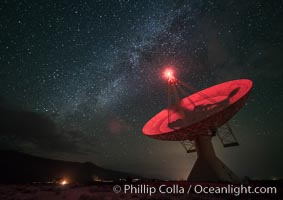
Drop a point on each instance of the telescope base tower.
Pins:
(208, 167)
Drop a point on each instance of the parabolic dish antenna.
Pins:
(196, 118)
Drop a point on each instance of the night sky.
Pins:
(79, 79)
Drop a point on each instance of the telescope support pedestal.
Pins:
(209, 168)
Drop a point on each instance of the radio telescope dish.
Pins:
(196, 118)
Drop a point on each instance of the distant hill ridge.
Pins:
(17, 167)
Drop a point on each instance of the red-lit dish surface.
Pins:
(211, 108)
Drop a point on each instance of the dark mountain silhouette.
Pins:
(19, 127)
(16, 167)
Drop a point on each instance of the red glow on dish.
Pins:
(228, 98)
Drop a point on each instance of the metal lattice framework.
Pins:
(226, 136)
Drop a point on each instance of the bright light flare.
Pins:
(64, 182)
(168, 74)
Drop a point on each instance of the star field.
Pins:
(93, 69)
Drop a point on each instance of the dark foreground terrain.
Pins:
(104, 191)
(27, 177)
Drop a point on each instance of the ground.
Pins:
(99, 192)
